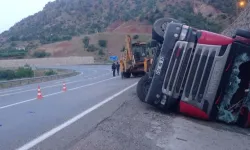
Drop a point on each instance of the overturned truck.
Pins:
(200, 73)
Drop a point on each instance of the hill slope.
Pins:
(68, 20)
(243, 22)
(62, 19)
(75, 47)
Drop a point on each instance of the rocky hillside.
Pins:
(60, 28)
(243, 22)
(63, 19)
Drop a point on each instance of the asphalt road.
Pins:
(101, 112)
(60, 117)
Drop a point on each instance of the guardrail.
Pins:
(25, 81)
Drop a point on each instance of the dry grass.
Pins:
(75, 47)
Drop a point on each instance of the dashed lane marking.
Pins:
(53, 131)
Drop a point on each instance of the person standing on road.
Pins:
(113, 68)
(118, 68)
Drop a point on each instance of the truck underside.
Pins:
(201, 74)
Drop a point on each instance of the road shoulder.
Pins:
(138, 126)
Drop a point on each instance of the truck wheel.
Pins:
(243, 33)
(159, 28)
(126, 74)
(135, 74)
(143, 86)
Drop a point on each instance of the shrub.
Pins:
(14, 38)
(101, 52)
(4, 53)
(41, 54)
(50, 72)
(26, 66)
(66, 38)
(102, 43)
(85, 41)
(123, 49)
(13, 44)
(23, 72)
(135, 37)
(92, 48)
(7, 74)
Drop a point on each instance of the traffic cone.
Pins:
(64, 87)
(39, 93)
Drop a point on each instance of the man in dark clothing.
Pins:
(113, 68)
(243, 89)
(118, 68)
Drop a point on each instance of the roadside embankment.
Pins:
(72, 60)
(59, 74)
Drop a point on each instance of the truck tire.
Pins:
(138, 74)
(126, 74)
(143, 86)
(159, 28)
(243, 33)
(135, 74)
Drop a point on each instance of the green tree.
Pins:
(66, 38)
(41, 54)
(135, 37)
(85, 41)
(7, 74)
(123, 49)
(102, 43)
(101, 52)
(13, 44)
(24, 72)
(50, 72)
(92, 48)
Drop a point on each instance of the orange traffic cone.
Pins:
(64, 87)
(39, 93)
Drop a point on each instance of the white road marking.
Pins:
(56, 81)
(7, 91)
(18, 89)
(59, 82)
(52, 94)
(7, 106)
(53, 131)
(49, 86)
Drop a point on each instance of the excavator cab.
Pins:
(203, 74)
(135, 59)
(139, 51)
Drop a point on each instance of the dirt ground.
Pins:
(115, 37)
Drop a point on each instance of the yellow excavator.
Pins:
(136, 58)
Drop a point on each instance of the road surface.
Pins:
(101, 112)
(57, 119)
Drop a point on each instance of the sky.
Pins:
(13, 11)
